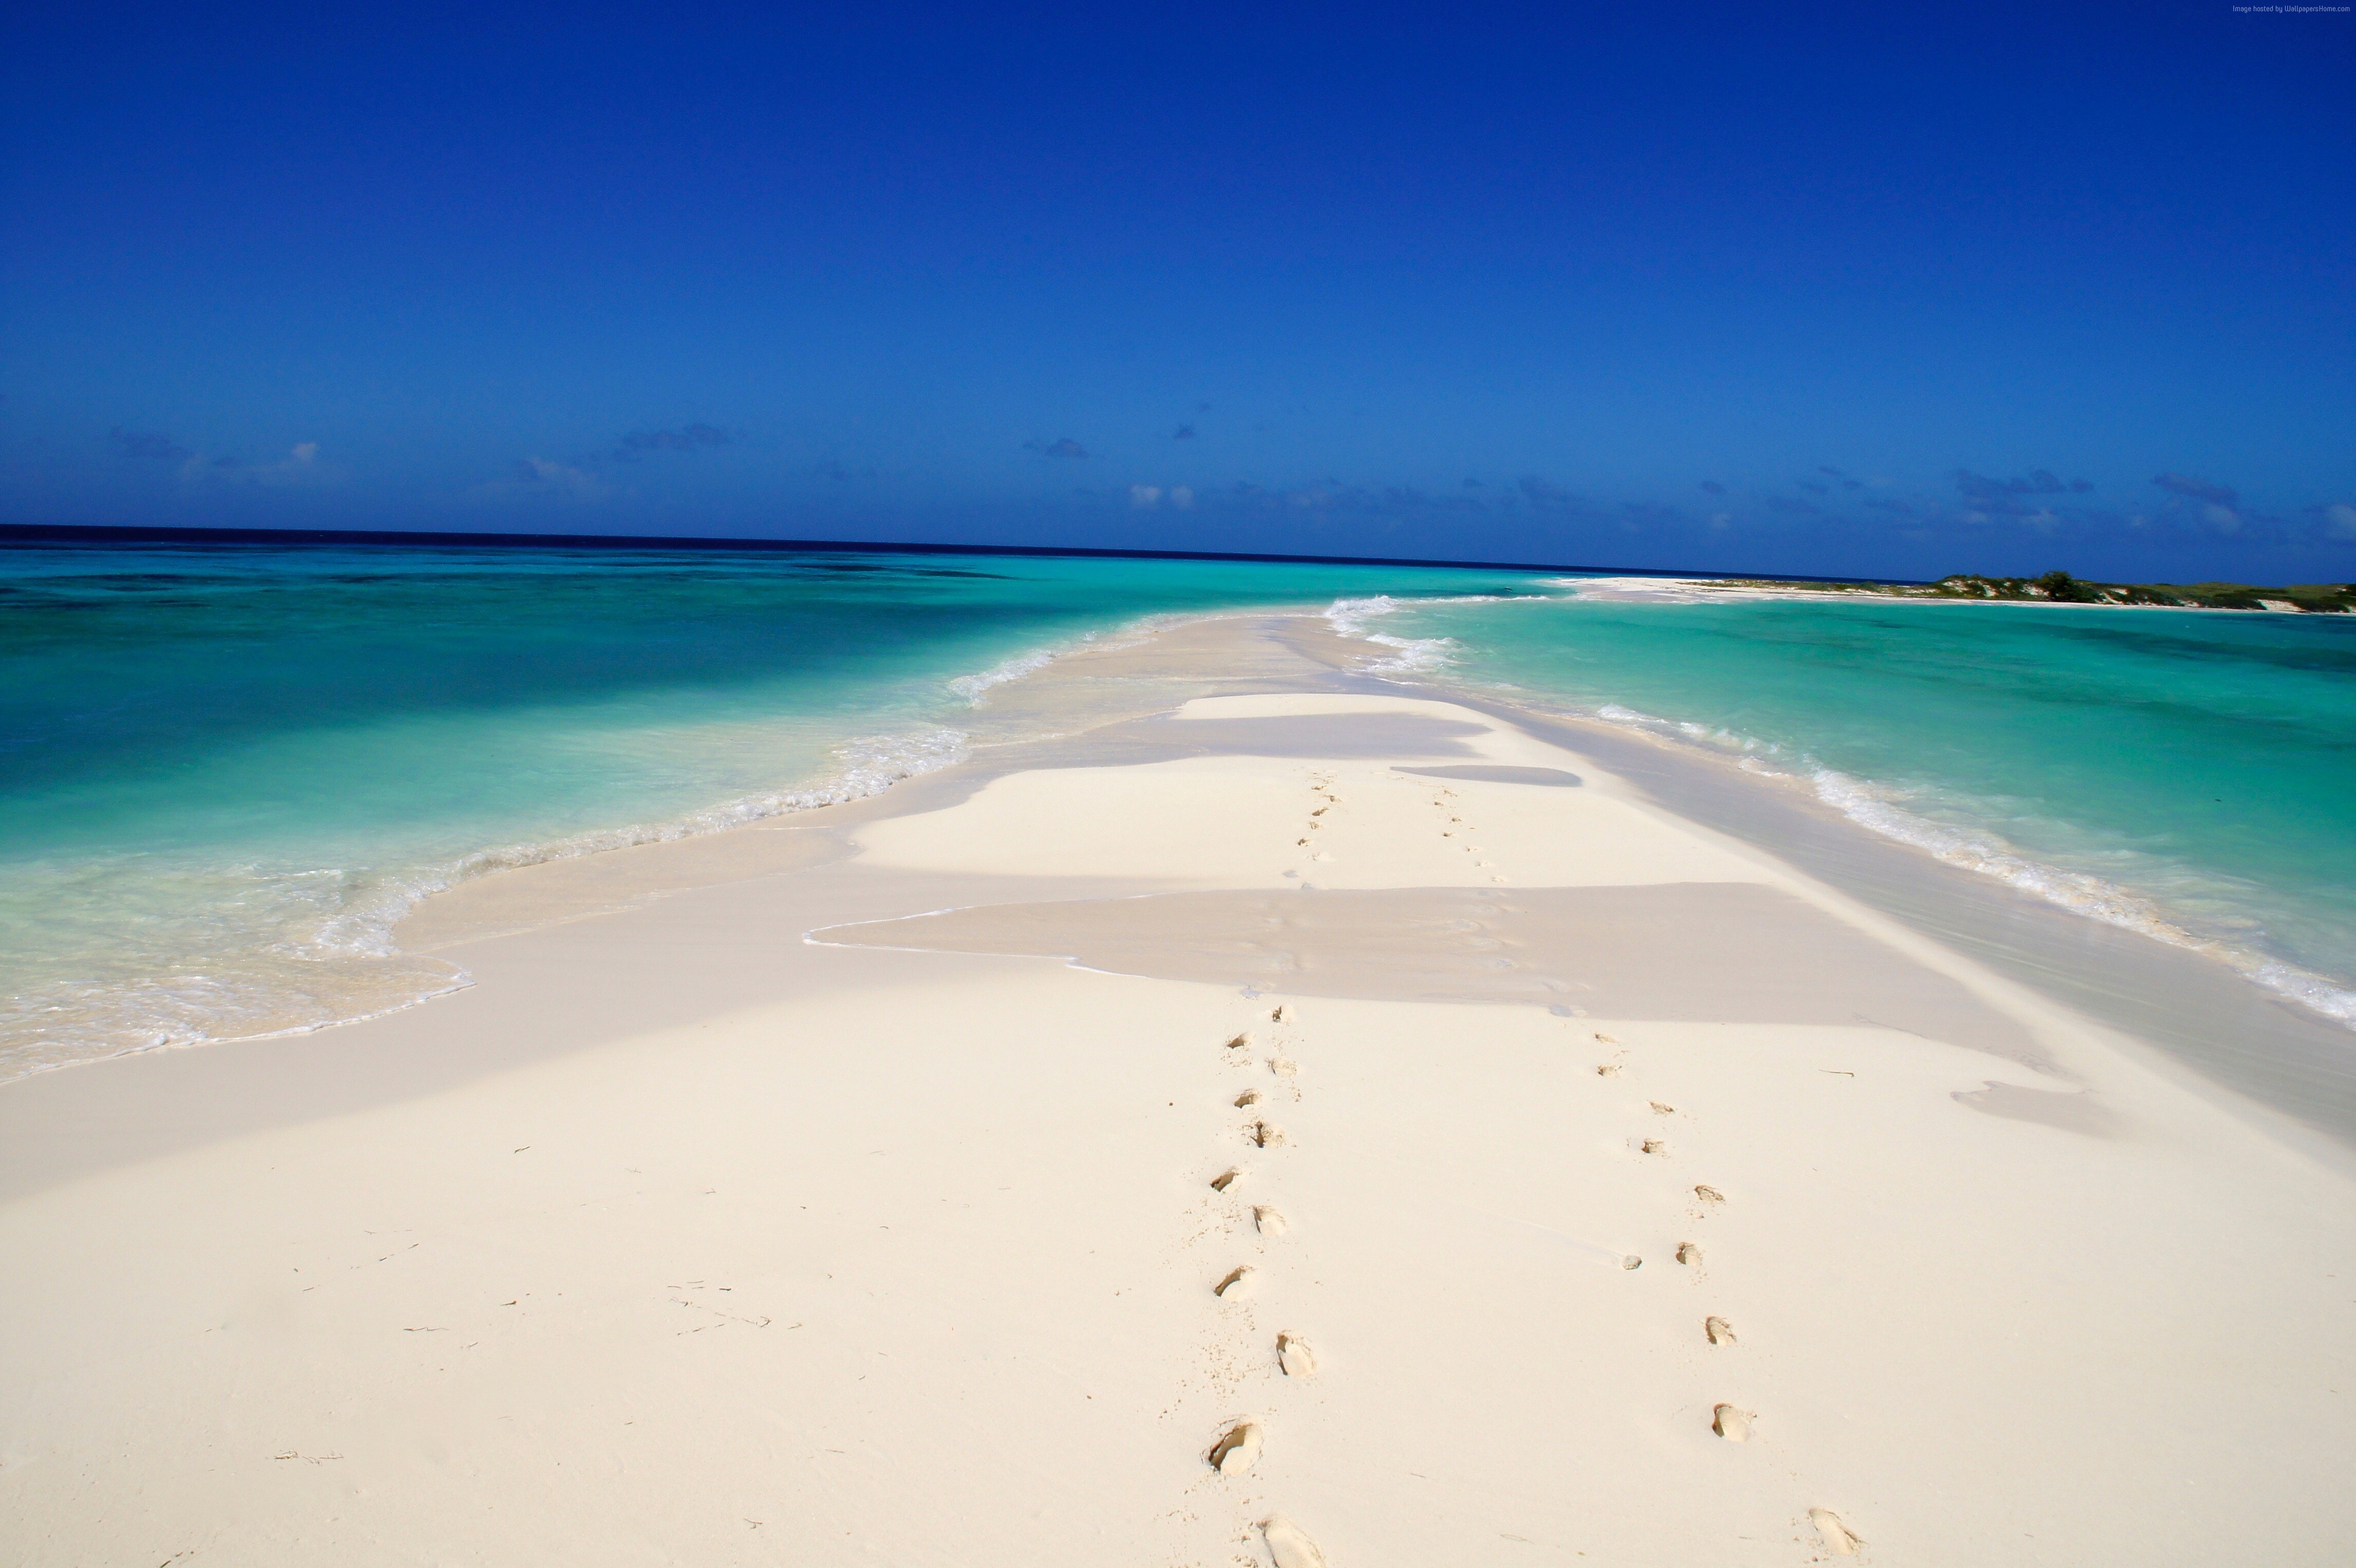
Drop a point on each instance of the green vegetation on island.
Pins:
(2060, 588)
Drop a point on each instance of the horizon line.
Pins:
(66, 532)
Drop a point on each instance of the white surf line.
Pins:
(870, 765)
(1416, 656)
(1979, 850)
(1870, 804)
(1136, 633)
(461, 979)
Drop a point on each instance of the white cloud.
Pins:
(301, 465)
(2224, 518)
(1145, 496)
(1181, 497)
(2339, 518)
(539, 477)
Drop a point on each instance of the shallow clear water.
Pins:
(2188, 773)
(226, 770)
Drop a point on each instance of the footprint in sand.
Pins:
(1652, 1146)
(1239, 1042)
(1224, 1180)
(1264, 1134)
(1237, 1450)
(1710, 1195)
(1248, 1096)
(1281, 1013)
(1267, 1222)
(1288, 1545)
(1281, 1068)
(1839, 1540)
(1294, 1356)
(1608, 1069)
(1663, 1109)
(1718, 1331)
(1688, 1253)
(1237, 1284)
(1730, 1424)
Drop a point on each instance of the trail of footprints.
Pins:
(1321, 790)
(1239, 1446)
(1454, 827)
(1731, 1422)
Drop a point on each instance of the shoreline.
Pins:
(1279, 1096)
(1668, 589)
(2293, 1068)
(865, 766)
(1426, 663)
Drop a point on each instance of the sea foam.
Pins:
(1882, 808)
(2166, 898)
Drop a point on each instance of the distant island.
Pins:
(2060, 588)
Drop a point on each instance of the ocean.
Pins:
(227, 770)
(2188, 774)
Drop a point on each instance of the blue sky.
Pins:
(1872, 289)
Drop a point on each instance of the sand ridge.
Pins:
(979, 1257)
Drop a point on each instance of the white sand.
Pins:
(834, 1255)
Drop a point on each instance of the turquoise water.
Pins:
(226, 770)
(2191, 774)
